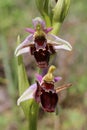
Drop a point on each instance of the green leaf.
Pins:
(29, 107)
(23, 83)
(45, 5)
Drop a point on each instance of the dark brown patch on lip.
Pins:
(42, 57)
(47, 96)
(51, 49)
(49, 101)
(40, 40)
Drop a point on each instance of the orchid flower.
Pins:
(41, 43)
(44, 91)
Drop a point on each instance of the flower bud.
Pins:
(60, 11)
(43, 7)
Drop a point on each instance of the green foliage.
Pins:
(22, 81)
(74, 119)
(30, 107)
(12, 12)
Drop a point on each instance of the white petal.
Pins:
(58, 43)
(28, 94)
(62, 47)
(27, 42)
(23, 50)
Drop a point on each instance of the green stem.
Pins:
(33, 116)
(56, 28)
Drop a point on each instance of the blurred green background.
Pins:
(15, 15)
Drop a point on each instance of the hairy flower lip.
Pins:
(42, 58)
(49, 101)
